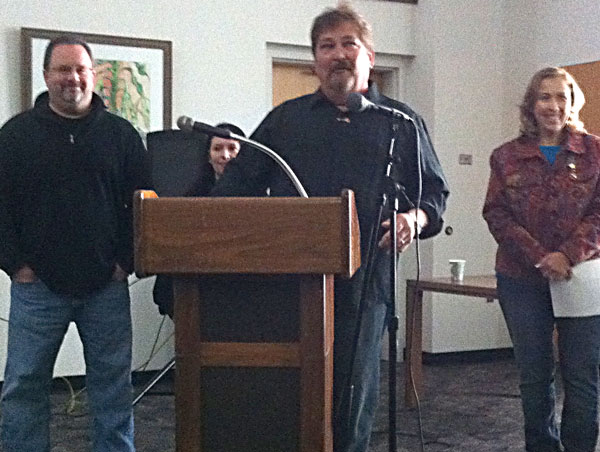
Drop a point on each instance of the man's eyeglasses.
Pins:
(67, 70)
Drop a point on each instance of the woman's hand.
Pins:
(555, 266)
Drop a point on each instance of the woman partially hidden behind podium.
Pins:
(219, 152)
(543, 209)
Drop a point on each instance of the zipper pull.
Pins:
(71, 138)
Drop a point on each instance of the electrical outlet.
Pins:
(465, 159)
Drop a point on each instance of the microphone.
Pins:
(357, 103)
(187, 124)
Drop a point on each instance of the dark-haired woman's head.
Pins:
(222, 150)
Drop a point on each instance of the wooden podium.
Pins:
(253, 283)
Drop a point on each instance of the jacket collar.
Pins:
(42, 105)
(529, 147)
(318, 98)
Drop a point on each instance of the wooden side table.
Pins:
(472, 286)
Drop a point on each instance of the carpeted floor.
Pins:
(467, 406)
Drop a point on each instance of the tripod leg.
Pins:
(154, 380)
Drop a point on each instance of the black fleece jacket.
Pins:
(66, 188)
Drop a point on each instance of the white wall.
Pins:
(462, 42)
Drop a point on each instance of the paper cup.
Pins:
(457, 269)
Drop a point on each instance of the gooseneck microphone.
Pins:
(357, 103)
(187, 124)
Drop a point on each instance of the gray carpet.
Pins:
(467, 406)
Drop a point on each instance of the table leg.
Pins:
(413, 365)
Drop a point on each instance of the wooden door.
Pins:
(586, 75)
(291, 80)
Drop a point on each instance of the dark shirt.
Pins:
(330, 150)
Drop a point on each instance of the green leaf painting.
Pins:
(125, 88)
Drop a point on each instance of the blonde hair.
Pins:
(529, 126)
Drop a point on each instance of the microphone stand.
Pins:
(394, 190)
(389, 196)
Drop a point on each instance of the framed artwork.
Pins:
(133, 75)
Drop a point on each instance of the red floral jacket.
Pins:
(533, 208)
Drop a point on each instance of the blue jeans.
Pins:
(352, 430)
(527, 308)
(38, 322)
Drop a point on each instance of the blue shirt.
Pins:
(550, 152)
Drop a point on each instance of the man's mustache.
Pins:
(342, 65)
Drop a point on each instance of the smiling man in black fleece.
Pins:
(68, 170)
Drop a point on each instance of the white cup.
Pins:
(457, 269)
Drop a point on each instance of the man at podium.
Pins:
(332, 148)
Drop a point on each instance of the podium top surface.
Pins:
(246, 235)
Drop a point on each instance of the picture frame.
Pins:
(120, 62)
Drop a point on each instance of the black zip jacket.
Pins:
(66, 188)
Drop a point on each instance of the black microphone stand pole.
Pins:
(393, 318)
(392, 190)
(389, 195)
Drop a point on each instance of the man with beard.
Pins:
(68, 170)
(330, 149)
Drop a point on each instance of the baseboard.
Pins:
(144, 377)
(468, 357)
(77, 382)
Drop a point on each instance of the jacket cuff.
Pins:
(573, 257)
(434, 222)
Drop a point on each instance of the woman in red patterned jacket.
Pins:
(543, 209)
